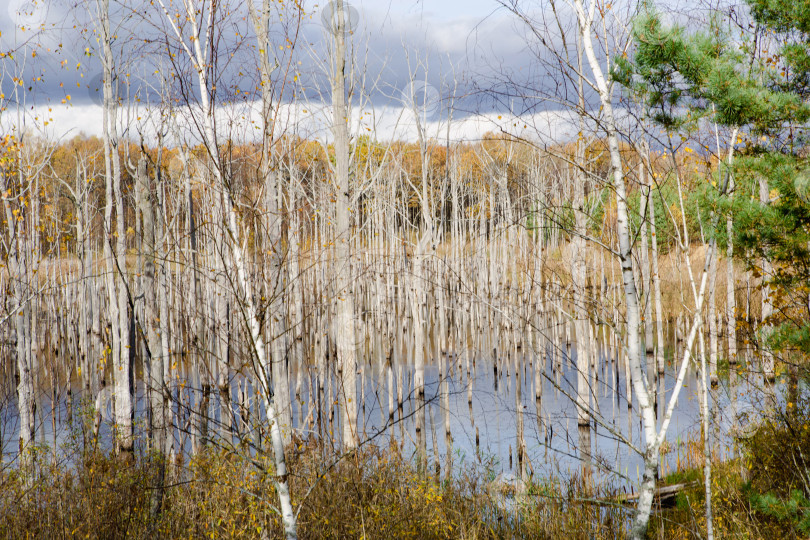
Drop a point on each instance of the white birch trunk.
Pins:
(647, 488)
(243, 284)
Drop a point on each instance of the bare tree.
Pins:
(123, 348)
(198, 46)
(344, 322)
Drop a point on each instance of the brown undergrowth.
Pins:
(763, 492)
(375, 492)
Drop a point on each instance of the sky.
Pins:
(459, 48)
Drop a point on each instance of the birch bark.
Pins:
(585, 20)
(201, 63)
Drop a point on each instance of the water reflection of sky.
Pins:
(553, 440)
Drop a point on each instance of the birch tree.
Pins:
(197, 45)
(271, 180)
(712, 85)
(595, 80)
(585, 14)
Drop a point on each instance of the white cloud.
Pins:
(312, 120)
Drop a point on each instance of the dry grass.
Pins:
(374, 493)
(676, 293)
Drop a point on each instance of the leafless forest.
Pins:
(243, 265)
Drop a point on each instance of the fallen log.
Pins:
(664, 495)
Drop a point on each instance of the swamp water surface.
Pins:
(482, 409)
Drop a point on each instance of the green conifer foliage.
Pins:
(683, 77)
